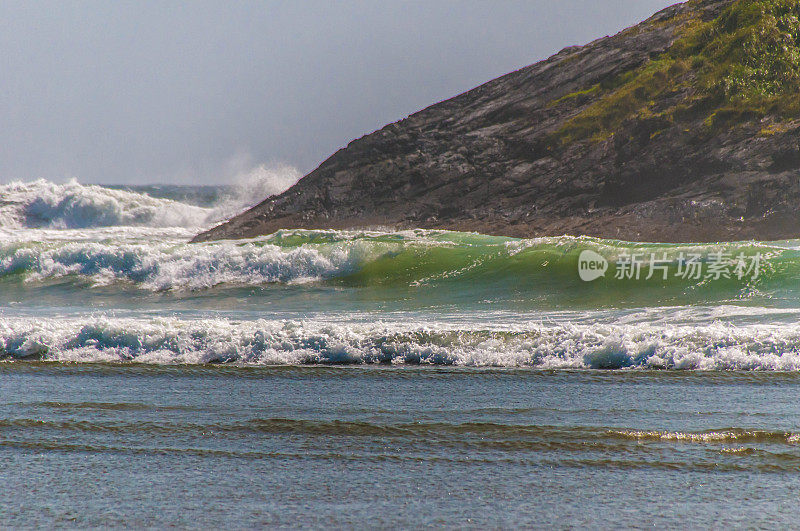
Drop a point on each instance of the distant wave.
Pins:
(71, 205)
(43, 204)
(535, 345)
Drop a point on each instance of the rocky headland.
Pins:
(685, 127)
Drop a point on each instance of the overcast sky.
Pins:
(194, 92)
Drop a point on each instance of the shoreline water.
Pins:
(395, 446)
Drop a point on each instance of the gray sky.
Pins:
(195, 92)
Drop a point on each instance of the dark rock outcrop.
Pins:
(493, 160)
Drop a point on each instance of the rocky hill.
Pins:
(683, 128)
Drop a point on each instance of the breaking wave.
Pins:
(44, 204)
(170, 265)
(533, 345)
(160, 260)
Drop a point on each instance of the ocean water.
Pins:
(354, 378)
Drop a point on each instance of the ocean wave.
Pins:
(161, 259)
(269, 342)
(44, 204)
(732, 435)
(71, 205)
(175, 265)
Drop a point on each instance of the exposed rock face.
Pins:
(486, 160)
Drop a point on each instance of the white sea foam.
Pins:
(262, 342)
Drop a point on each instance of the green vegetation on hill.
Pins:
(744, 64)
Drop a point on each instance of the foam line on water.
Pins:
(534, 345)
